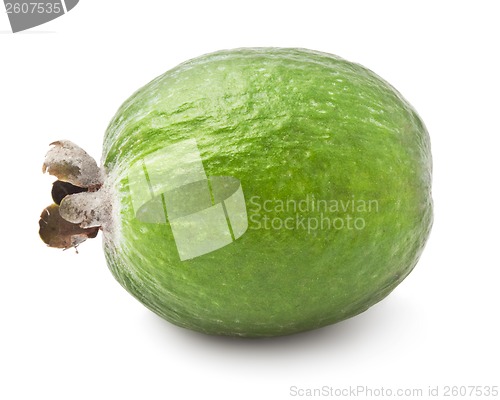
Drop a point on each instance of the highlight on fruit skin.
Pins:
(253, 192)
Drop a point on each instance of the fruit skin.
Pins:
(287, 123)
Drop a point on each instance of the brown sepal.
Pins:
(57, 232)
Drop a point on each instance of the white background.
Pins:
(69, 331)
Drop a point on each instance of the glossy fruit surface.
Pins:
(335, 169)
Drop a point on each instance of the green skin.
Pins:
(288, 123)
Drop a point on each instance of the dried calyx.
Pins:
(80, 208)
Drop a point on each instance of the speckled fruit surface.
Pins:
(311, 137)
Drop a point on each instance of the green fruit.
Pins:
(335, 169)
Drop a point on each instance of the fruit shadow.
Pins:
(387, 318)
